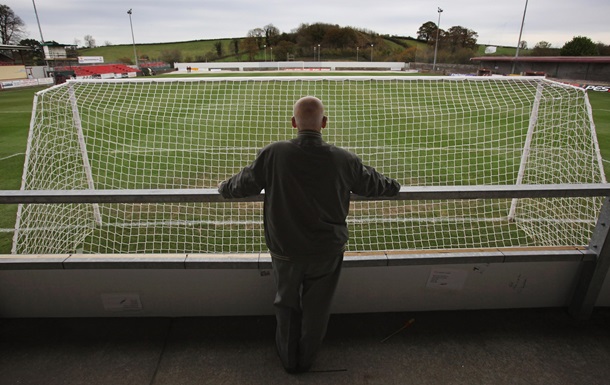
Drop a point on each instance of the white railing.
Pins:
(211, 195)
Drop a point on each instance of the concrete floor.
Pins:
(531, 346)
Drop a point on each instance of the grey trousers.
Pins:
(302, 307)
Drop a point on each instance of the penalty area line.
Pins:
(12, 156)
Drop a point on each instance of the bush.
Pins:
(580, 46)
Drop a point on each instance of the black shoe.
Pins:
(292, 370)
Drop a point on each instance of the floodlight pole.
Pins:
(438, 29)
(519, 42)
(46, 62)
(371, 52)
(38, 21)
(133, 39)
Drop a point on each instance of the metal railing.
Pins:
(211, 195)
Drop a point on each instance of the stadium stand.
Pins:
(155, 68)
(99, 70)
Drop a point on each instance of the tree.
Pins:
(36, 55)
(580, 46)
(235, 45)
(271, 34)
(89, 41)
(250, 46)
(311, 35)
(542, 45)
(284, 49)
(258, 34)
(218, 48)
(338, 37)
(171, 55)
(427, 31)
(12, 28)
(543, 48)
(460, 37)
(604, 50)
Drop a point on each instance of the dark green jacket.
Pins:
(307, 185)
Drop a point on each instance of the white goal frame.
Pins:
(576, 227)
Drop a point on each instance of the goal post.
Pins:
(83, 150)
(526, 147)
(131, 134)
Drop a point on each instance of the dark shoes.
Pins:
(297, 370)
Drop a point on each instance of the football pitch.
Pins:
(137, 140)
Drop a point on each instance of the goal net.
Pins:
(195, 133)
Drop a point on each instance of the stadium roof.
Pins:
(544, 59)
(56, 44)
(5, 47)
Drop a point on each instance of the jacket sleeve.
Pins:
(370, 183)
(249, 181)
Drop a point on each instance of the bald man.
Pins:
(307, 185)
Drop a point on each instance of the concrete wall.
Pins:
(117, 286)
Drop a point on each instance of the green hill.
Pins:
(205, 50)
(190, 50)
(337, 43)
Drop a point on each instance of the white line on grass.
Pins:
(12, 156)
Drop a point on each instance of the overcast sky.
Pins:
(496, 22)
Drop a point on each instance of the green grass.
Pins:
(15, 113)
(189, 50)
(600, 103)
(15, 109)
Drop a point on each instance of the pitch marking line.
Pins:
(12, 156)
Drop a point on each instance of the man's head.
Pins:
(309, 114)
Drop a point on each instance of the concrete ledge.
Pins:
(32, 262)
(125, 261)
(442, 258)
(262, 261)
(363, 259)
(222, 261)
(558, 255)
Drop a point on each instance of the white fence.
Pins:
(291, 65)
